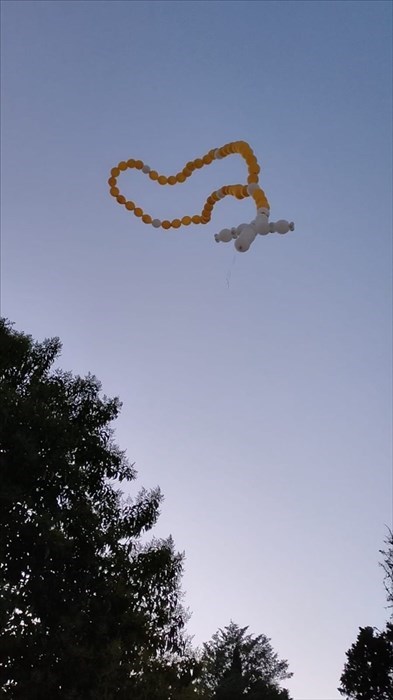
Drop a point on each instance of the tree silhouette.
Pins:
(232, 685)
(87, 610)
(387, 565)
(368, 672)
(237, 665)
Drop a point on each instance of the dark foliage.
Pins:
(368, 673)
(387, 565)
(237, 665)
(87, 610)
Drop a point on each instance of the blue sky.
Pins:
(256, 388)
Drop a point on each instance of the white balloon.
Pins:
(245, 239)
(240, 228)
(156, 223)
(225, 235)
(241, 247)
(261, 224)
(248, 233)
(282, 226)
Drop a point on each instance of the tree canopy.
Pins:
(368, 671)
(87, 609)
(236, 664)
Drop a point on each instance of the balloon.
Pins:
(245, 239)
(225, 235)
(261, 224)
(282, 226)
(244, 234)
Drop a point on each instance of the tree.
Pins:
(368, 673)
(387, 566)
(87, 610)
(235, 664)
(232, 685)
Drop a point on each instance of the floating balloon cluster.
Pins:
(244, 234)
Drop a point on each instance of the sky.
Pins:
(256, 387)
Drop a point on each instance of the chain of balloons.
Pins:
(244, 234)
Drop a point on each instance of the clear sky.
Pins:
(256, 388)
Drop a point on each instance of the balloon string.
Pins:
(229, 273)
(239, 191)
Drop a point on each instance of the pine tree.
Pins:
(237, 665)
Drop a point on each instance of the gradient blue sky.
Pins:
(256, 387)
